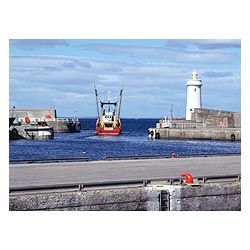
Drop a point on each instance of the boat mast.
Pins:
(97, 106)
(120, 104)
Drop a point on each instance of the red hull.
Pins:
(108, 131)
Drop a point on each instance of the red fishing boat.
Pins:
(108, 121)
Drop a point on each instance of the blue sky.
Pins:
(153, 73)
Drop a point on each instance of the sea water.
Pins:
(133, 141)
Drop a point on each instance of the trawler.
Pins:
(108, 121)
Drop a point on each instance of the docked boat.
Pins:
(108, 121)
(33, 116)
(11, 120)
(74, 125)
(38, 131)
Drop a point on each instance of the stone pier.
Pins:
(202, 197)
(226, 134)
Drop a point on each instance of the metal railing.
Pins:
(123, 157)
(141, 182)
(206, 155)
(50, 160)
(135, 157)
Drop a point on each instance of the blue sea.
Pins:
(133, 141)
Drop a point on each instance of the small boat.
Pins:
(108, 121)
(38, 131)
(11, 120)
(74, 125)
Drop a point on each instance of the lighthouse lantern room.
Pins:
(193, 95)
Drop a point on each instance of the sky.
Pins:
(152, 72)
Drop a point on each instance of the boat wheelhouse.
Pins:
(108, 121)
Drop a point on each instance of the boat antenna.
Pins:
(108, 95)
(97, 106)
(120, 102)
(171, 112)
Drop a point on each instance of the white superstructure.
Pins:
(193, 95)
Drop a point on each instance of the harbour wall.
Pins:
(218, 196)
(60, 125)
(230, 134)
(217, 118)
(205, 124)
(33, 113)
(64, 125)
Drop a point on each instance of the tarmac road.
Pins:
(39, 174)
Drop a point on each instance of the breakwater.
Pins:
(205, 124)
(224, 134)
(24, 117)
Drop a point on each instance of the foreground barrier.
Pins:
(143, 195)
(140, 182)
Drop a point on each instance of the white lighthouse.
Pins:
(193, 95)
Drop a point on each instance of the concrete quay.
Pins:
(158, 195)
(205, 124)
(225, 134)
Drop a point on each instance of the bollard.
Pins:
(173, 155)
(189, 178)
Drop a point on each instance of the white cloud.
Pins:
(109, 78)
(180, 54)
(37, 43)
(204, 44)
(150, 85)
